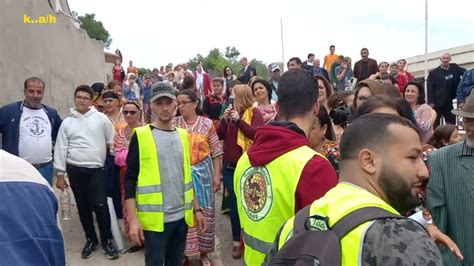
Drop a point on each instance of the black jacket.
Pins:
(244, 77)
(442, 85)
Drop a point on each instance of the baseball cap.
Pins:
(162, 89)
(274, 67)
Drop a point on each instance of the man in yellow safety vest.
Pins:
(382, 167)
(160, 202)
(280, 173)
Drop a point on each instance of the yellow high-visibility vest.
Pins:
(336, 204)
(149, 195)
(266, 198)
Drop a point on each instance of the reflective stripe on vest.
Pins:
(149, 194)
(257, 244)
(337, 203)
(157, 188)
(266, 198)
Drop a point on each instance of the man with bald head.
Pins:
(247, 71)
(442, 84)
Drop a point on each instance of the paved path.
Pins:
(74, 241)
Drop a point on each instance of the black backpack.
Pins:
(310, 247)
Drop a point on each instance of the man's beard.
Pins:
(397, 190)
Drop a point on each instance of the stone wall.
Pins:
(57, 52)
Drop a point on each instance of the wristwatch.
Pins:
(198, 210)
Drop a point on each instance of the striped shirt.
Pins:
(451, 198)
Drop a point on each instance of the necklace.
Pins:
(190, 126)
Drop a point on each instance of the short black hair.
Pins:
(390, 77)
(332, 46)
(33, 79)
(310, 54)
(84, 88)
(296, 59)
(188, 83)
(267, 86)
(297, 93)
(421, 91)
(370, 131)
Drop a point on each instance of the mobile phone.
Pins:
(230, 101)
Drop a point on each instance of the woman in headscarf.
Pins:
(131, 91)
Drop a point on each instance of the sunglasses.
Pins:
(125, 112)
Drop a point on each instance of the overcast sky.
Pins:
(154, 33)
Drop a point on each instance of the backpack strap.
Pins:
(360, 216)
(300, 220)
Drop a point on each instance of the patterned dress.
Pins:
(205, 146)
(121, 143)
(331, 151)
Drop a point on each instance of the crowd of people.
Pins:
(320, 142)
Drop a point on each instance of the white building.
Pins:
(461, 55)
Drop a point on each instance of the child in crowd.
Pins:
(213, 103)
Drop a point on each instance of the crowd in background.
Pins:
(222, 116)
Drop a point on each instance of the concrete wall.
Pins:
(461, 55)
(59, 53)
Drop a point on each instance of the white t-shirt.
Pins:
(35, 144)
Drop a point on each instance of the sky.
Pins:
(155, 33)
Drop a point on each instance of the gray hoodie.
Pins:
(82, 140)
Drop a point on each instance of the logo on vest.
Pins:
(317, 223)
(256, 191)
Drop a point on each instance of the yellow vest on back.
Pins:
(149, 196)
(336, 204)
(266, 199)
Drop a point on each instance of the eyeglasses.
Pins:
(84, 99)
(125, 112)
(184, 103)
(362, 98)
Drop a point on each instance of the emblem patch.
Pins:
(317, 223)
(256, 191)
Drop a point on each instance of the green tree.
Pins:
(231, 53)
(142, 71)
(215, 62)
(95, 29)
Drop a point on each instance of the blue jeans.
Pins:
(47, 172)
(167, 247)
(228, 176)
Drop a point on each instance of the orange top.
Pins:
(133, 70)
(329, 59)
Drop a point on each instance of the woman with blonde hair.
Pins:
(237, 128)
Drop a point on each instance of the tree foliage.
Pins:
(216, 61)
(142, 71)
(95, 29)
